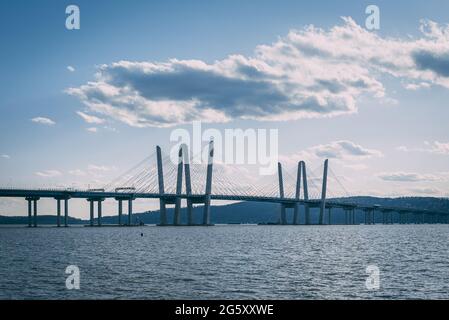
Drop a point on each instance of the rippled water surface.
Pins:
(229, 262)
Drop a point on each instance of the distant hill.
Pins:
(253, 212)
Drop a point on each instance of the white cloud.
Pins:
(93, 167)
(92, 129)
(426, 191)
(408, 177)
(48, 173)
(90, 118)
(77, 172)
(5, 156)
(435, 147)
(416, 86)
(71, 69)
(43, 120)
(311, 72)
(343, 151)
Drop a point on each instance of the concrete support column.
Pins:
(99, 213)
(66, 212)
(120, 211)
(30, 223)
(329, 215)
(35, 212)
(130, 211)
(91, 212)
(353, 216)
(58, 212)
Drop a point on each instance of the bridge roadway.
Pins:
(170, 198)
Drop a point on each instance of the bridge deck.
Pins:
(89, 194)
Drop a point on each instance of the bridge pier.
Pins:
(329, 215)
(58, 213)
(32, 211)
(120, 211)
(416, 218)
(348, 216)
(66, 212)
(296, 220)
(100, 213)
(130, 211)
(35, 212)
(91, 212)
(30, 222)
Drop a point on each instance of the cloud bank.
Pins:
(48, 173)
(344, 151)
(408, 177)
(435, 147)
(311, 72)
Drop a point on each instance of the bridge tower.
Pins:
(323, 192)
(188, 184)
(306, 193)
(297, 194)
(283, 218)
(177, 214)
(210, 161)
(160, 174)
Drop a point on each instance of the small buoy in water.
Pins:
(141, 234)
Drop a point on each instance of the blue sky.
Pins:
(402, 136)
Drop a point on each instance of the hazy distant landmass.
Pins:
(251, 212)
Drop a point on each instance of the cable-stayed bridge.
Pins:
(171, 182)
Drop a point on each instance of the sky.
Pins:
(80, 107)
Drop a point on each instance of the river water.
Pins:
(226, 262)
